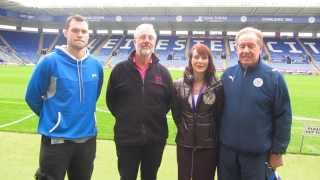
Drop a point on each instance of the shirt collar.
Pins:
(147, 64)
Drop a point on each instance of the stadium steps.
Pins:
(114, 49)
(93, 42)
(4, 41)
(228, 52)
(13, 57)
(8, 56)
(103, 41)
(312, 61)
(40, 45)
(315, 66)
(267, 52)
(188, 47)
(55, 41)
(305, 49)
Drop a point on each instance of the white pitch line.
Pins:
(17, 121)
(106, 111)
(299, 118)
(102, 110)
(12, 102)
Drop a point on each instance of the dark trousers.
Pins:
(74, 158)
(148, 157)
(235, 165)
(201, 163)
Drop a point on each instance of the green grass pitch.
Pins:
(304, 91)
(22, 149)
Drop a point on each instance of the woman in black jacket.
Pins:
(198, 103)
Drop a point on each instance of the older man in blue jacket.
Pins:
(256, 123)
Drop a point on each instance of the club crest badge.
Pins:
(209, 98)
(158, 79)
(257, 82)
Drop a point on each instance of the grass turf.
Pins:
(19, 160)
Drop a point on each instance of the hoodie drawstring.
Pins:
(81, 77)
(79, 70)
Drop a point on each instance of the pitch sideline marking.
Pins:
(17, 121)
(103, 110)
(12, 102)
(298, 118)
(106, 111)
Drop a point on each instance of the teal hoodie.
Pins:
(63, 92)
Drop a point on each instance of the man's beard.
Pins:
(145, 51)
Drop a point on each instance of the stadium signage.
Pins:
(309, 130)
(176, 43)
(164, 18)
(276, 19)
(95, 18)
(211, 19)
(26, 16)
(312, 130)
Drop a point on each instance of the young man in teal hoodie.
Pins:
(63, 91)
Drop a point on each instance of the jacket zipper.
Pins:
(242, 89)
(142, 122)
(194, 148)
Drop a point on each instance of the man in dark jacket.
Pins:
(139, 97)
(256, 123)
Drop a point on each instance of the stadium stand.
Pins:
(291, 54)
(313, 47)
(25, 44)
(7, 53)
(48, 40)
(288, 55)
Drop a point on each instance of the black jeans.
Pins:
(148, 157)
(74, 158)
(200, 164)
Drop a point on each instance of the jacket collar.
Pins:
(154, 58)
(63, 49)
(251, 68)
(212, 84)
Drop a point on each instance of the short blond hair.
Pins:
(253, 30)
(145, 27)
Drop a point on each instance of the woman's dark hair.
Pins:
(210, 73)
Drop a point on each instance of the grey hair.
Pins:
(145, 27)
(253, 30)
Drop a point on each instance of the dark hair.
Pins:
(76, 17)
(210, 73)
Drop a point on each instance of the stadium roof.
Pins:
(163, 3)
(292, 8)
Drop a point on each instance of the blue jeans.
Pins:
(235, 165)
